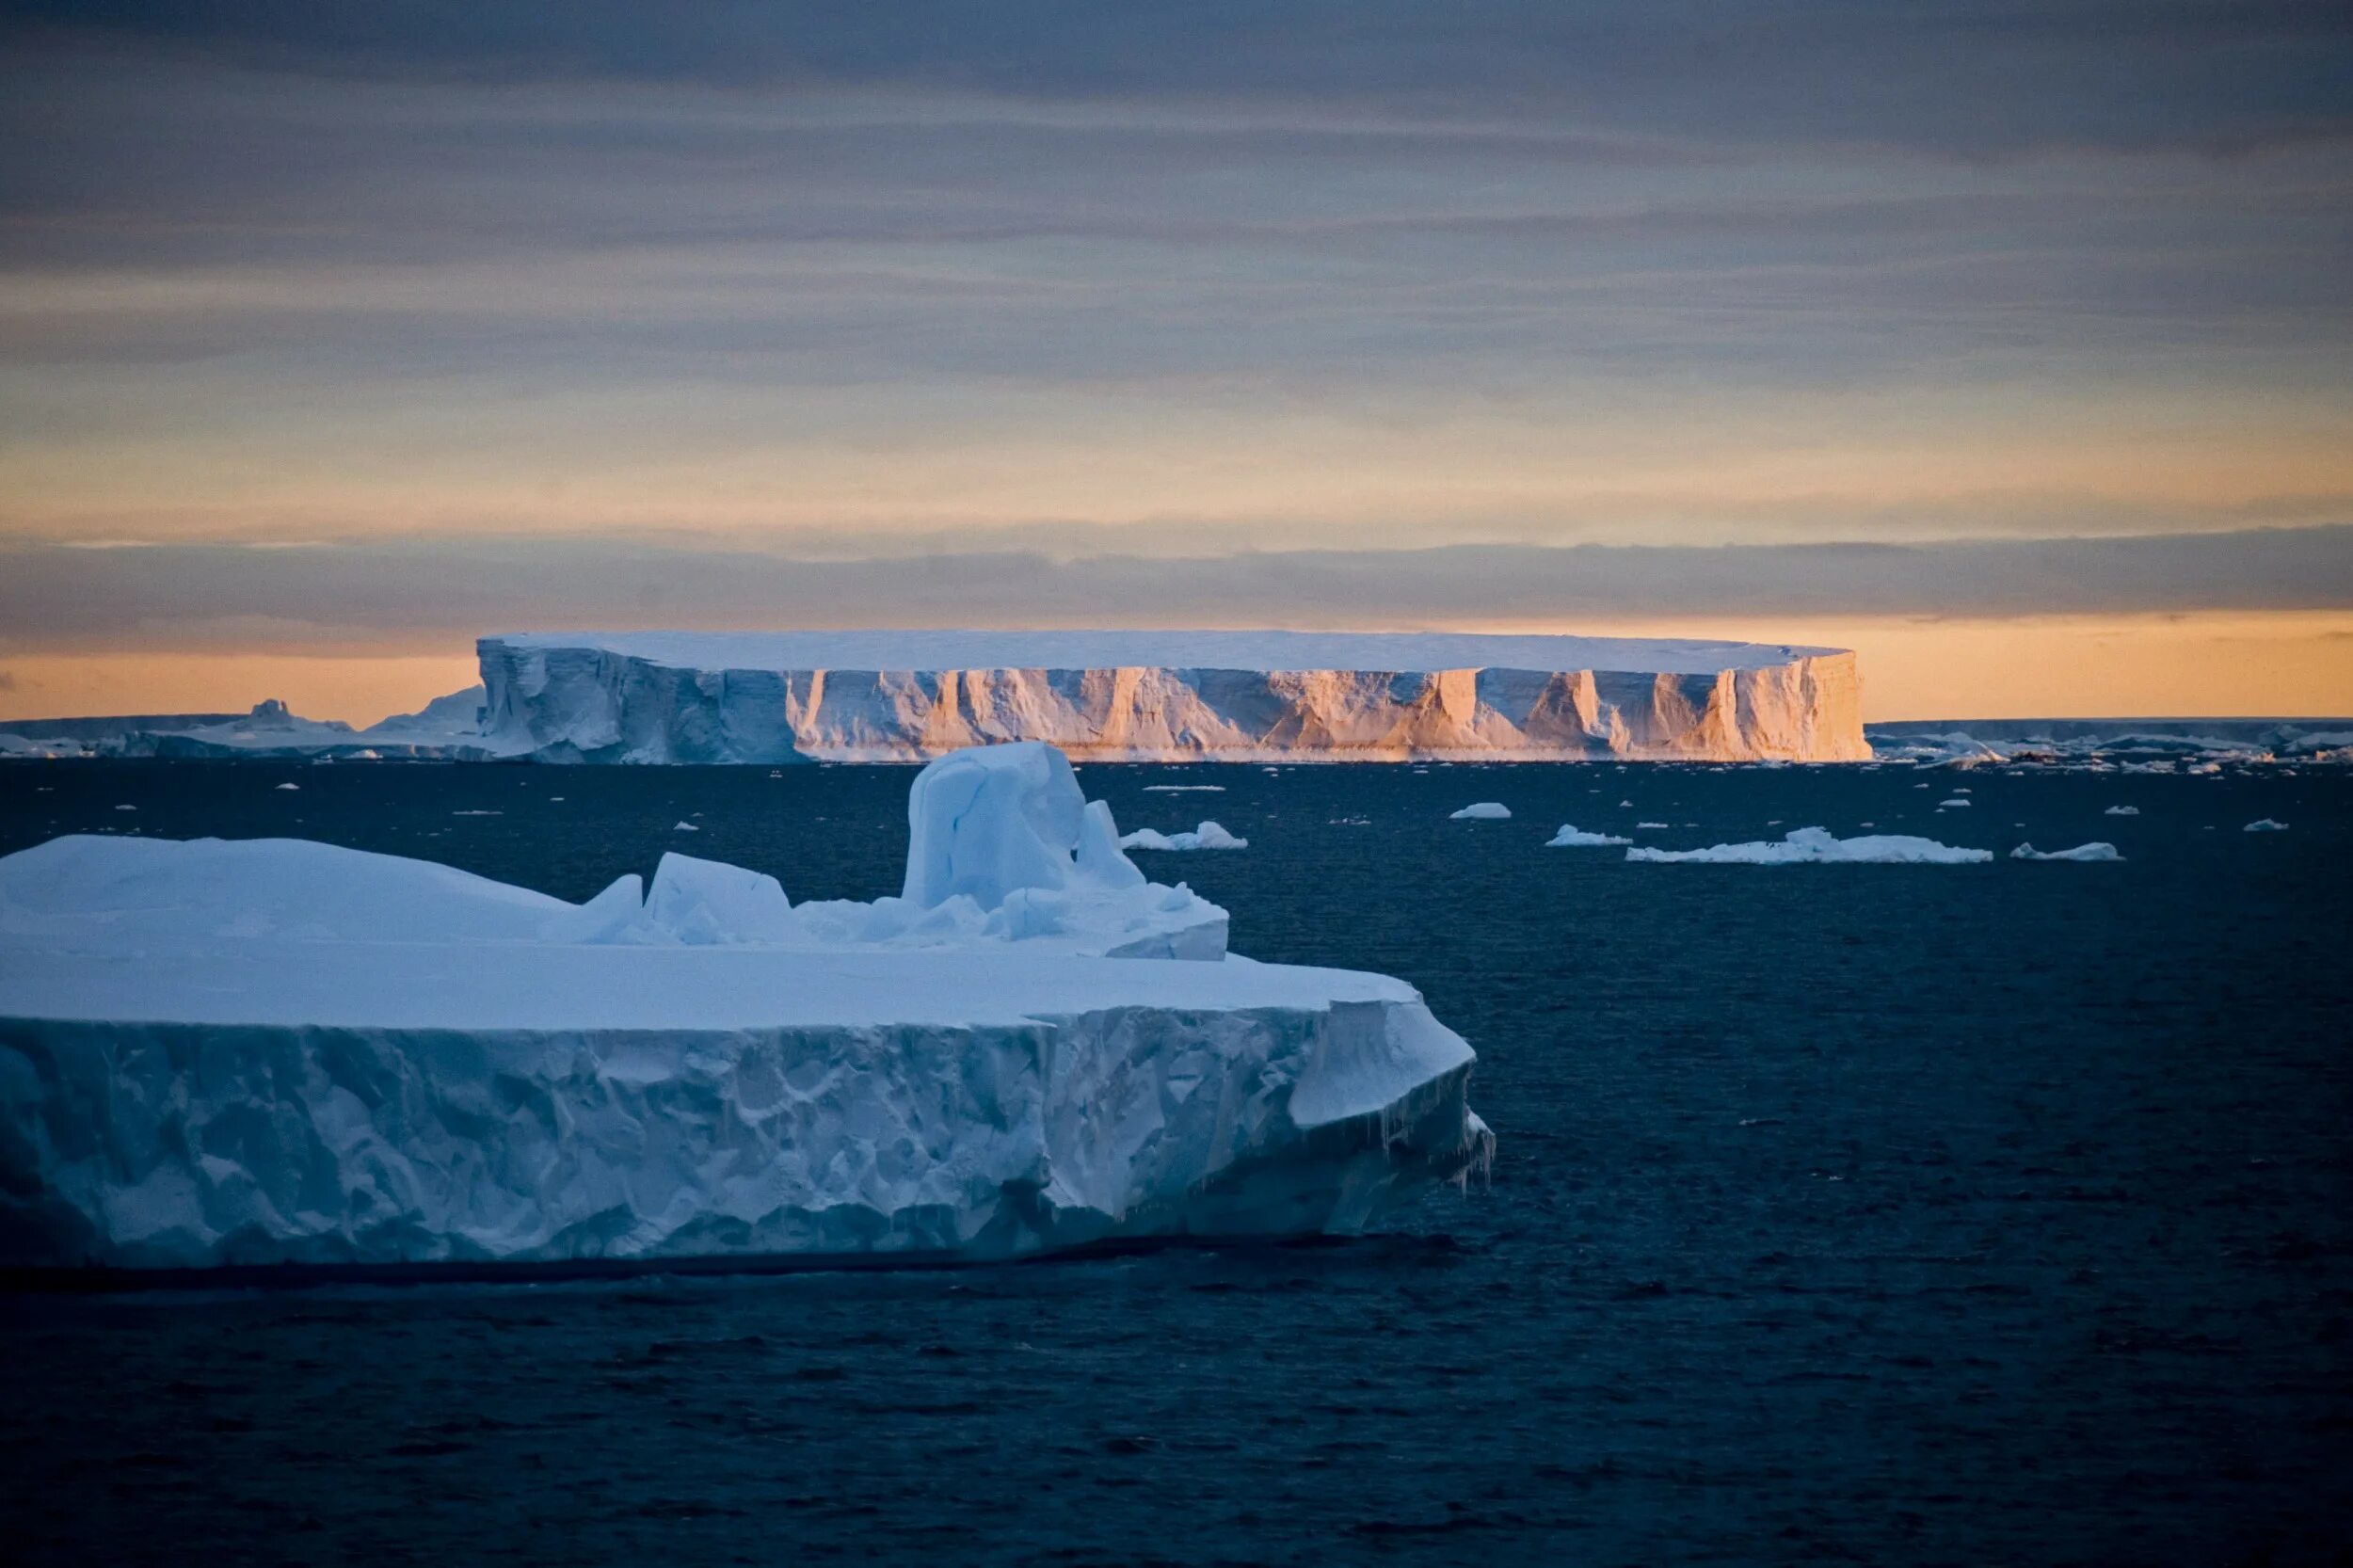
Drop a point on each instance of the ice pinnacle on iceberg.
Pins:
(276, 1052)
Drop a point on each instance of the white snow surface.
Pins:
(680, 697)
(1813, 846)
(1210, 835)
(2081, 851)
(281, 1051)
(1482, 810)
(1571, 837)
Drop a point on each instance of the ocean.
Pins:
(1888, 1214)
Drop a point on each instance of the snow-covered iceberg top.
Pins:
(1812, 846)
(280, 1051)
(1002, 847)
(904, 696)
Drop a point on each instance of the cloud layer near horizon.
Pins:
(1312, 276)
(440, 595)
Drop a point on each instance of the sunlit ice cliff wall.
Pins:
(879, 696)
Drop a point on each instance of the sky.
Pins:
(2011, 344)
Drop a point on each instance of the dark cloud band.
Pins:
(54, 600)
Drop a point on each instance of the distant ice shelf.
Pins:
(682, 696)
(283, 1053)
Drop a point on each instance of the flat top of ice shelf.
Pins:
(1395, 652)
(516, 986)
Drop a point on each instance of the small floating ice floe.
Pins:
(1484, 810)
(1208, 836)
(2081, 851)
(1573, 837)
(2262, 825)
(290, 786)
(2122, 811)
(1952, 805)
(685, 827)
(1815, 846)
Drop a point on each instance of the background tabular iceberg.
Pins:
(1163, 695)
(275, 1051)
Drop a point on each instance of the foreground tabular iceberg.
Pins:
(283, 1053)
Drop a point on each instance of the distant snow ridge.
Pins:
(1812, 846)
(277, 1051)
(675, 697)
(1571, 837)
(1208, 836)
(2081, 851)
(1483, 810)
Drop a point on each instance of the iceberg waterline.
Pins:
(279, 1051)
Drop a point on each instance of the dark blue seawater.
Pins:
(1880, 1214)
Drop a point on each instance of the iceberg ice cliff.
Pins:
(679, 696)
(276, 1052)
